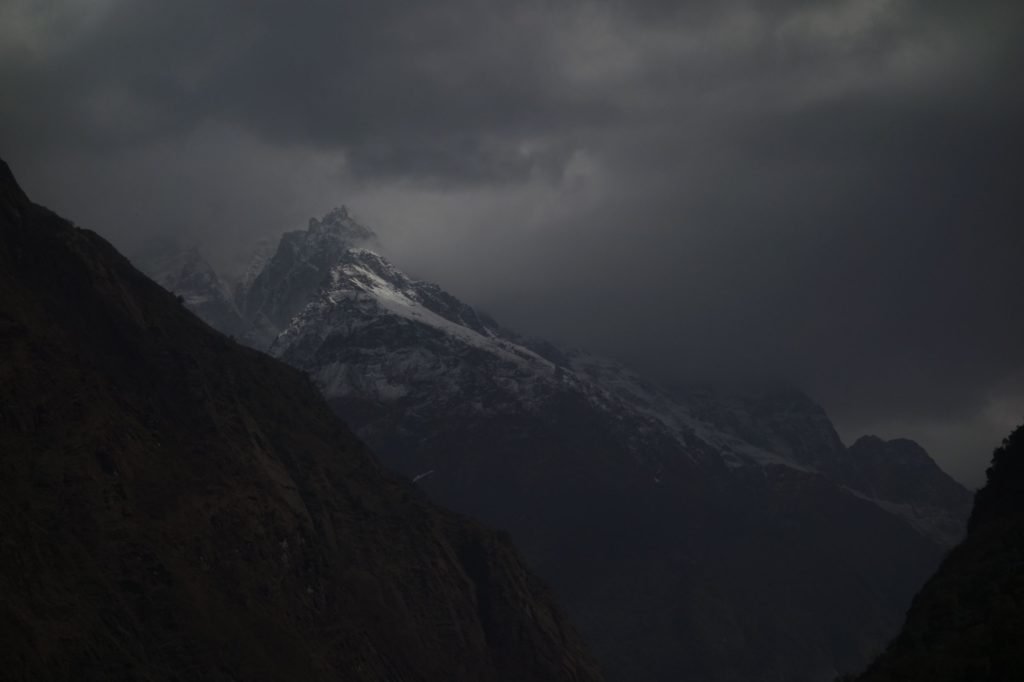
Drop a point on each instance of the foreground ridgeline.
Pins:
(967, 624)
(174, 506)
(692, 532)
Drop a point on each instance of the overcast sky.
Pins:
(829, 193)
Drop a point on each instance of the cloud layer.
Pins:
(825, 192)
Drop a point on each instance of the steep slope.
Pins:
(717, 535)
(174, 506)
(967, 624)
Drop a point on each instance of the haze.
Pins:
(825, 193)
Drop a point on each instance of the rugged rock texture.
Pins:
(176, 507)
(967, 624)
(692, 532)
(295, 272)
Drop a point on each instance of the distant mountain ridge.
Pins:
(705, 493)
(188, 274)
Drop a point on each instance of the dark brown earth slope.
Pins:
(176, 507)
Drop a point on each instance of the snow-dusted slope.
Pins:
(363, 287)
(373, 333)
(295, 273)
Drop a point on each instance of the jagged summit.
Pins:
(297, 269)
(336, 214)
(339, 224)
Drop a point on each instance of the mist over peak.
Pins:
(339, 223)
(826, 194)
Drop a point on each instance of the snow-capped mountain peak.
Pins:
(366, 293)
(296, 271)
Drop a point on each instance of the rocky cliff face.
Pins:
(176, 506)
(968, 621)
(693, 531)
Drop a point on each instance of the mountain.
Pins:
(294, 273)
(175, 506)
(899, 475)
(697, 531)
(186, 273)
(967, 623)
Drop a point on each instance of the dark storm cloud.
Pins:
(826, 192)
(426, 88)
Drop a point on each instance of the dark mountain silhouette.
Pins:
(174, 506)
(967, 623)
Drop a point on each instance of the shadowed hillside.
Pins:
(176, 507)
